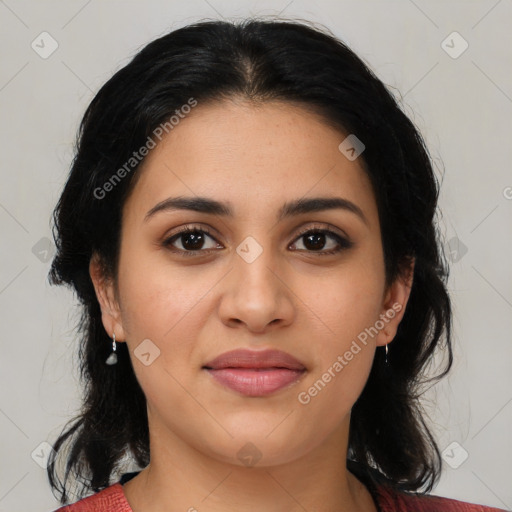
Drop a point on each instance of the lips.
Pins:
(255, 373)
(243, 358)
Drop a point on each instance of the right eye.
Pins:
(192, 240)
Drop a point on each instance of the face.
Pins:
(309, 282)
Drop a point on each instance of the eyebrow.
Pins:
(289, 209)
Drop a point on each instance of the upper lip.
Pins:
(243, 358)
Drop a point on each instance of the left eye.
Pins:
(316, 240)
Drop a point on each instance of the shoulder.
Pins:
(394, 501)
(110, 499)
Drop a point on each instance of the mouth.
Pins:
(255, 373)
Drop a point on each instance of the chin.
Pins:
(258, 449)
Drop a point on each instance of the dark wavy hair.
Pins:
(258, 60)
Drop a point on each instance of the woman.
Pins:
(248, 223)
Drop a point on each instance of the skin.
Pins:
(254, 157)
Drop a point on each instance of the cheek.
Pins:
(156, 297)
(168, 317)
(166, 305)
(343, 359)
(348, 305)
(347, 301)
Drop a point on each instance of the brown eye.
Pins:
(316, 240)
(192, 240)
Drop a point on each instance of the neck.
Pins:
(180, 477)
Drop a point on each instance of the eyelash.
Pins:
(344, 243)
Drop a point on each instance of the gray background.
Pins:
(460, 101)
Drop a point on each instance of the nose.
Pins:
(256, 295)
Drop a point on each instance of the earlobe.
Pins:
(394, 305)
(105, 293)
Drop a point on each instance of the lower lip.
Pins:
(255, 382)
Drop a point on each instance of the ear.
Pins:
(394, 304)
(105, 293)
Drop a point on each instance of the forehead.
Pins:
(253, 157)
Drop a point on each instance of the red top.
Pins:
(112, 499)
